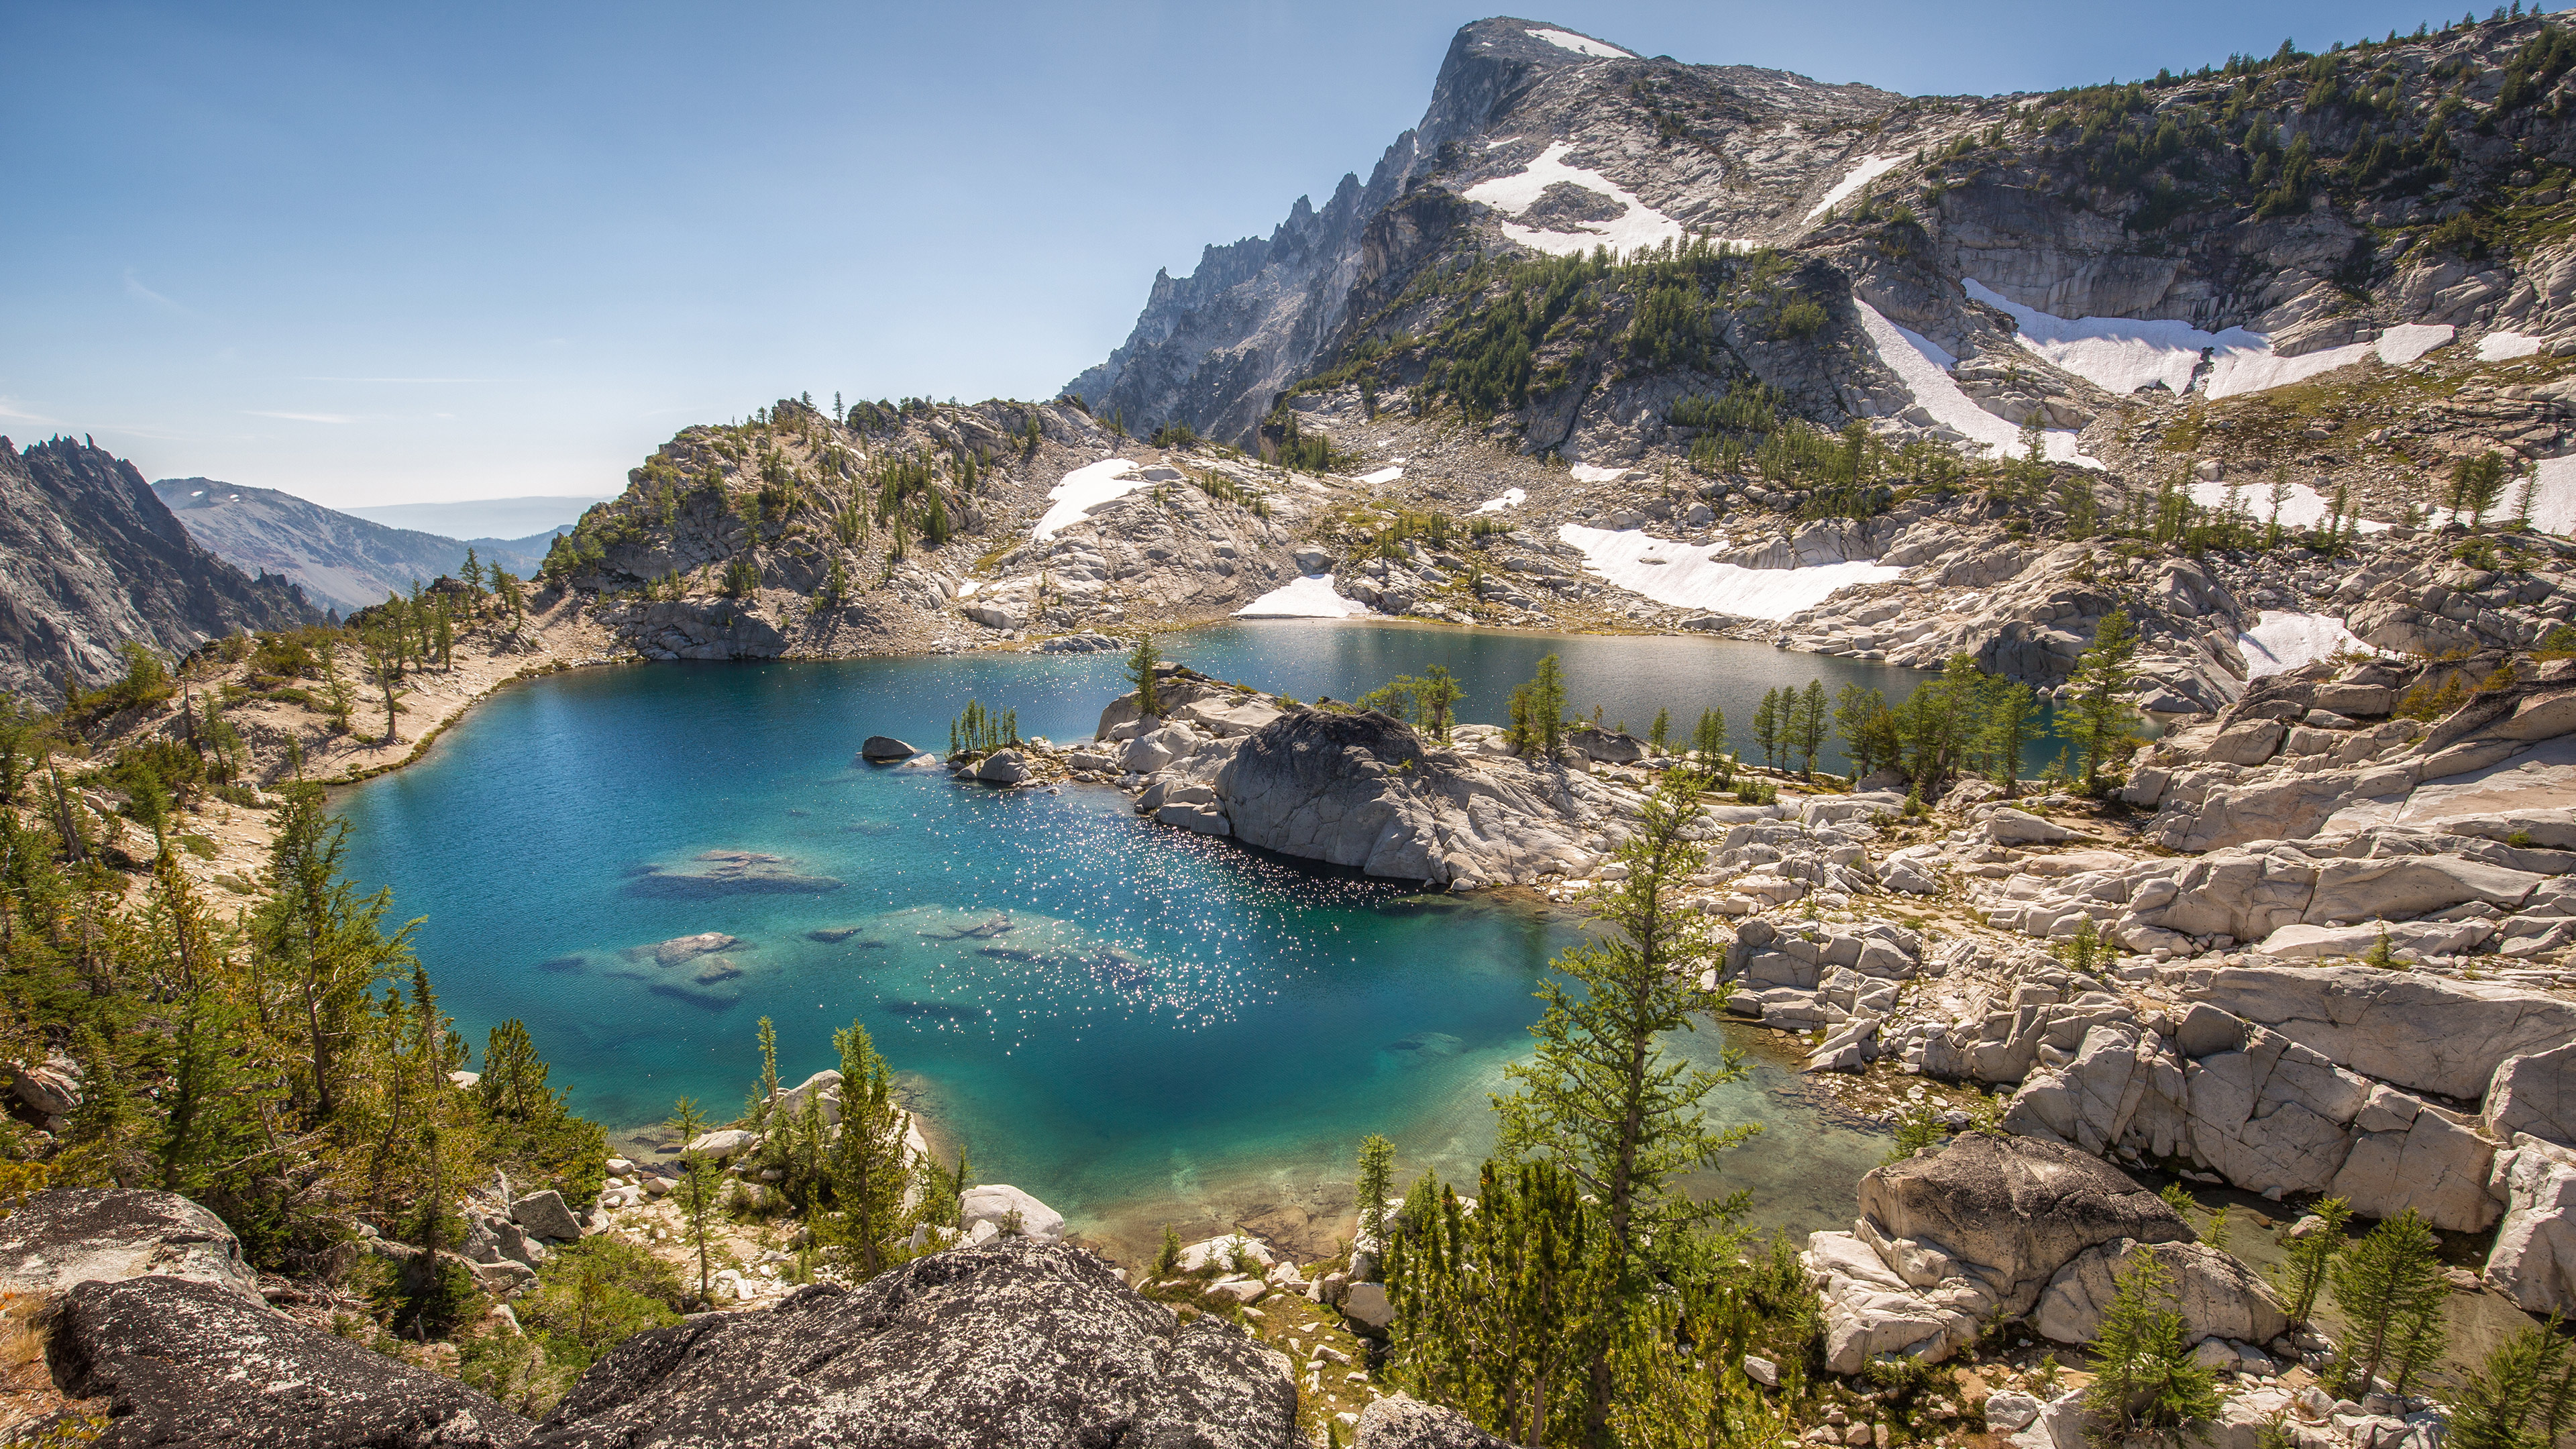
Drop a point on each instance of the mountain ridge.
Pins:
(90, 559)
(343, 561)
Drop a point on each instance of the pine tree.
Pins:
(2098, 724)
(870, 1168)
(1501, 1312)
(1547, 706)
(2010, 713)
(2522, 1397)
(2384, 1286)
(1708, 738)
(1812, 722)
(323, 946)
(1376, 1178)
(1660, 732)
(696, 1192)
(1766, 727)
(2144, 1374)
(1141, 662)
(1602, 1098)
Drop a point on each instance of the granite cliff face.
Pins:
(2318, 201)
(89, 559)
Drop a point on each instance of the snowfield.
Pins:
(1640, 226)
(1512, 498)
(1581, 45)
(1083, 491)
(2553, 506)
(1310, 597)
(2304, 508)
(1925, 369)
(1586, 473)
(2280, 642)
(2506, 346)
(1382, 475)
(1870, 169)
(2122, 354)
(1687, 578)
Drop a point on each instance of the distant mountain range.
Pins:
(89, 560)
(484, 517)
(343, 561)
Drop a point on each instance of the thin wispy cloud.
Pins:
(300, 417)
(10, 410)
(401, 379)
(142, 293)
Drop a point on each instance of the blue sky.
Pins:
(377, 254)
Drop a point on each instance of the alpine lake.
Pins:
(1135, 1024)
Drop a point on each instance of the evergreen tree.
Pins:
(1500, 1311)
(2522, 1397)
(1546, 706)
(1660, 732)
(2388, 1286)
(2098, 723)
(2144, 1374)
(696, 1192)
(2011, 713)
(1602, 1098)
(1708, 738)
(1141, 662)
(870, 1167)
(1767, 731)
(323, 946)
(1375, 1180)
(2311, 1257)
(1810, 721)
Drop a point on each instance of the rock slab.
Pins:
(1015, 1343)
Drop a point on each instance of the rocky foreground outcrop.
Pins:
(1012, 1343)
(154, 1318)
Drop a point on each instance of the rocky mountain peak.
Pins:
(90, 558)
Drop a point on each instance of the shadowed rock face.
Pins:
(1015, 1343)
(185, 1362)
(89, 558)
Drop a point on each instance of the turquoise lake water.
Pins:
(1134, 1023)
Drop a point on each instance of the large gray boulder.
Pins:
(70, 1235)
(884, 750)
(2419, 1031)
(1364, 790)
(185, 1362)
(2014, 1209)
(2217, 1295)
(1401, 1421)
(2534, 1094)
(2533, 1261)
(1015, 1343)
(998, 1202)
(1949, 1240)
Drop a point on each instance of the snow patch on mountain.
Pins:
(1870, 169)
(1581, 45)
(1639, 226)
(1085, 490)
(1309, 597)
(2123, 354)
(2280, 642)
(1687, 577)
(1925, 369)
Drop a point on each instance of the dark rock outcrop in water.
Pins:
(1015, 1343)
(89, 558)
(1364, 790)
(183, 1362)
(729, 872)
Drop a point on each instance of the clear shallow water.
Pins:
(1133, 1023)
